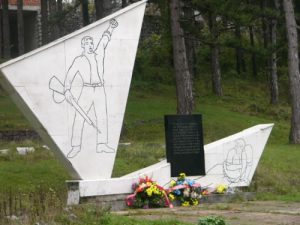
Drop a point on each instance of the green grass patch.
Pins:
(92, 215)
(24, 173)
(10, 116)
(137, 156)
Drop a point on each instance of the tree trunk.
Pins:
(99, 9)
(189, 41)
(1, 37)
(44, 21)
(6, 30)
(124, 3)
(85, 12)
(108, 7)
(264, 23)
(103, 8)
(215, 63)
(274, 77)
(266, 38)
(20, 27)
(240, 62)
(184, 85)
(59, 12)
(54, 30)
(294, 74)
(253, 55)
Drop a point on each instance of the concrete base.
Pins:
(79, 189)
(117, 202)
(112, 202)
(218, 162)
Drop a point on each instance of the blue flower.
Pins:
(177, 192)
(190, 182)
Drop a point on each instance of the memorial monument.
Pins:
(74, 92)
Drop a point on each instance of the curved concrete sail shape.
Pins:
(74, 90)
(231, 160)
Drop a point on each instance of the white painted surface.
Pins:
(216, 156)
(31, 79)
(233, 160)
(224, 154)
(159, 173)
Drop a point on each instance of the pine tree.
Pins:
(6, 30)
(20, 27)
(184, 85)
(294, 74)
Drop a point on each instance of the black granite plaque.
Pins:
(184, 144)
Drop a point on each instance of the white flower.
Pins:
(186, 192)
(194, 195)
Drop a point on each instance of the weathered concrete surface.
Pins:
(116, 202)
(245, 213)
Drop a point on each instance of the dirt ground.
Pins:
(245, 213)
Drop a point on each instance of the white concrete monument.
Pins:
(231, 161)
(74, 90)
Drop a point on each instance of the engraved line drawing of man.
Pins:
(90, 67)
(238, 163)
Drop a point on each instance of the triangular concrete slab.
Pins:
(74, 90)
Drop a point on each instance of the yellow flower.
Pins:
(195, 202)
(149, 192)
(221, 188)
(156, 191)
(172, 197)
(185, 203)
(173, 183)
(182, 175)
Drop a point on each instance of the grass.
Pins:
(245, 104)
(11, 118)
(93, 215)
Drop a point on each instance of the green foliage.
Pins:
(212, 220)
(154, 57)
(226, 24)
(153, 62)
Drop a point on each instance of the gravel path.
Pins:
(246, 213)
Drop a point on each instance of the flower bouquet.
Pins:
(148, 194)
(184, 190)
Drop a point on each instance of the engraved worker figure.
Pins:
(90, 67)
(238, 164)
